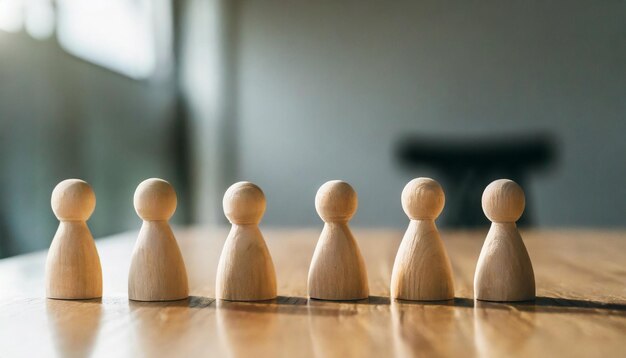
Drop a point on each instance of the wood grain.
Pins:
(245, 271)
(338, 271)
(73, 266)
(504, 272)
(157, 269)
(422, 269)
(580, 308)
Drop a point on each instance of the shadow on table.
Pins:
(292, 306)
(550, 305)
(305, 306)
(191, 302)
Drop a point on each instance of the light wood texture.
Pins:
(504, 271)
(580, 310)
(337, 269)
(73, 268)
(422, 270)
(157, 270)
(245, 271)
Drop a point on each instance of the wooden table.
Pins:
(580, 309)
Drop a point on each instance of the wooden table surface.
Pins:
(580, 309)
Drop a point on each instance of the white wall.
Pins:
(325, 88)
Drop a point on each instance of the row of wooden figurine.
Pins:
(421, 272)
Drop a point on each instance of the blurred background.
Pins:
(290, 94)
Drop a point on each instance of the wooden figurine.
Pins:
(73, 267)
(157, 270)
(422, 270)
(245, 271)
(337, 269)
(504, 271)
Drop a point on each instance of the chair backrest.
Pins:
(467, 166)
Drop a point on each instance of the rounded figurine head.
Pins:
(423, 199)
(503, 201)
(244, 203)
(336, 201)
(73, 199)
(155, 200)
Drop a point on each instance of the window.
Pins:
(131, 37)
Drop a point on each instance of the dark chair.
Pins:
(467, 166)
